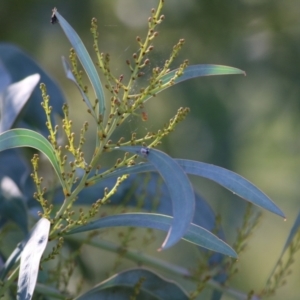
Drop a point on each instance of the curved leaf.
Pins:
(155, 198)
(152, 284)
(70, 76)
(151, 187)
(196, 71)
(194, 234)
(30, 259)
(85, 60)
(228, 179)
(27, 138)
(180, 190)
(293, 232)
(19, 65)
(119, 293)
(203, 70)
(231, 181)
(14, 98)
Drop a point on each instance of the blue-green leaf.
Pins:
(231, 181)
(151, 284)
(16, 138)
(200, 71)
(14, 98)
(30, 259)
(120, 293)
(70, 76)
(85, 60)
(228, 179)
(194, 234)
(180, 190)
(292, 234)
(196, 71)
(149, 185)
(19, 65)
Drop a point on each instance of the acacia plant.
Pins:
(151, 187)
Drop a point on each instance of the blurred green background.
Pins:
(246, 124)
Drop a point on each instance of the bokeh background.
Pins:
(247, 124)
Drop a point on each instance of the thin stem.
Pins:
(68, 200)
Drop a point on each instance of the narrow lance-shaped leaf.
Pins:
(16, 138)
(30, 259)
(156, 286)
(194, 233)
(85, 60)
(294, 231)
(233, 182)
(70, 76)
(228, 179)
(19, 65)
(180, 190)
(196, 71)
(152, 186)
(14, 99)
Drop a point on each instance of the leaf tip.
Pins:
(234, 255)
(281, 214)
